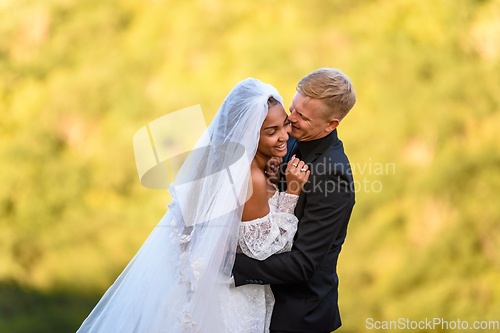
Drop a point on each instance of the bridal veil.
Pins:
(171, 283)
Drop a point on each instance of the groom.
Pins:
(304, 281)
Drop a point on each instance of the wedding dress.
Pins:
(248, 308)
(174, 281)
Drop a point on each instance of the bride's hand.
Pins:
(273, 169)
(297, 174)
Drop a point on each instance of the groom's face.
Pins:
(306, 116)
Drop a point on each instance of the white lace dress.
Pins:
(248, 308)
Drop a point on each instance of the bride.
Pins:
(223, 201)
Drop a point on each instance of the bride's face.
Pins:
(274, 132)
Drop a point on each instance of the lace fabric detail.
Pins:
(273, 233)
(248, 308)
(287, 202)
(188, 324)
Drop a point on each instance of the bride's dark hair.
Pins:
(271, 101)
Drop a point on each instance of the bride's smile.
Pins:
(281, 147)
(274, 133)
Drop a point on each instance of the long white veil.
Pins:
(171, 284)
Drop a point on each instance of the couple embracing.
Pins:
(258, 216)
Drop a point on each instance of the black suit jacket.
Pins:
(304, 281)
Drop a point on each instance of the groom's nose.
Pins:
(292, 118)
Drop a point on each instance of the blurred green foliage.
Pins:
(79, 78)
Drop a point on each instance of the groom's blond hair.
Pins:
(332, 87)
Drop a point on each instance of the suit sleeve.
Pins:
(329, 202)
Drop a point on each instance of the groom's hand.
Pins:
(273, 169)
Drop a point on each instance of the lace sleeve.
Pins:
(287, 202)
(273, 233)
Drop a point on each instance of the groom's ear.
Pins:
(332, 124)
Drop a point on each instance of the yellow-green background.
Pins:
(79, 78)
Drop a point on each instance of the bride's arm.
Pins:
(273, 232)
